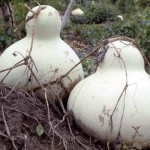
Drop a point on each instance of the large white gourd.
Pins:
(114, 102)
(51, 55)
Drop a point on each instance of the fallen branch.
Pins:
(67, 14)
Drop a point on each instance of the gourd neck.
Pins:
(123, 57)
(46, 25)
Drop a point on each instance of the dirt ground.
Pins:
(20, 114)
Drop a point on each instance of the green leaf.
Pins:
(39, 130)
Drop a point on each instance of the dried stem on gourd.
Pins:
(122, 93)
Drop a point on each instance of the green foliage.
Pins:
(7, 37)
(144, 30)
(125, 5)
(89, 33)
(20, 12)
(143, 3)
(6, 40)
(79, 19)
(59, 5)
(135, 25)
(113, 1)
(96, 26)
(89, 66)
(121, 5)
(96, 14)
(101, 13)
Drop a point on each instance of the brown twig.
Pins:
(60, 101)
(7, 130)
(48, 111)
(3, 135)
(123, 91)
(61, 121)
(12, 89)
(74, 138)
(145, 58)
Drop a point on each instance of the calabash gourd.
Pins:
(52, 57)
(77, 12)
(93, 3)
(114, 103)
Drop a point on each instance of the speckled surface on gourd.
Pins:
(51, 55)
(114, 102)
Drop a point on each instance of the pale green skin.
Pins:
(77, 12)
(94, 99)
(51, 55)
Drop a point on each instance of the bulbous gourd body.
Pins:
(114, 103)
(51, 56)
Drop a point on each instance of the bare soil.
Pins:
(21, 113)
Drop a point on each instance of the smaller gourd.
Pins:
(52, 57)
(114, 103)
(77, 12)
(93, 3)
(120, 17)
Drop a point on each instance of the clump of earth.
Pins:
(20, 116)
